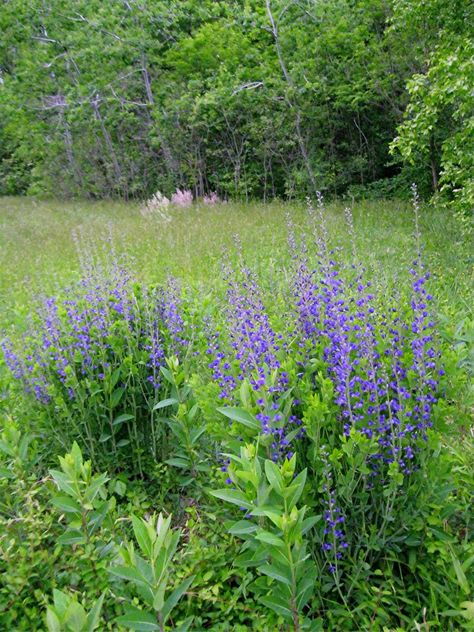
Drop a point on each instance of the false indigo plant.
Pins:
(370, 382)
(362, 379)
(93, 357)
(252, 360)
(347, 380)
(274, 532)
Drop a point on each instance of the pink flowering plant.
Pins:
(182, 198)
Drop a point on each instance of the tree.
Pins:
(437, 134)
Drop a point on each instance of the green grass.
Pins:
(37, 249)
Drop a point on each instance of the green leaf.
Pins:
(240, 415)
(94, 614)
(63, 482)
(116, 397)
(461, 576)
(244, 392)
(269, 538)
(275, 573)
(276, 605)
(130, 574)
(52, 620)
(250, 558)
(72, 536)
(75, 617)
(142, 536)
(171, 401)
(122, 418)
(66, 504)
(181, 463)
(167, 374)
(61, 601)
(270, 513)
(274, 476)
(114, 378)
(306, 587)
(175, 596)
(184, 627)
(95, 486)
(232, 496)
(467, 610)
(309, 523)
(159, 594)
(242, 527)
(196, 434)
(294, 491)
(139, 620)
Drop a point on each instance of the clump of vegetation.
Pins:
(261, 100)
(301, 426)
(95, 361)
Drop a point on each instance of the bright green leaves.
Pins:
(165, 403)
(185, 425)
(233, 496)
(149, 572)
(68, 615)
(241, 416)
(138, 620)
(82, 497)
(273, 531)
(437, 133)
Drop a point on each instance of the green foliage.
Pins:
(96, 380)
(409, 561)
(33, 560)
(150, 573)
(83, 497)
(68, 615)
(438, 131)
(28, 553)
(274, 539)
(221, 595)
(252, 100)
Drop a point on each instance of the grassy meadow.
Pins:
(38, 250)
(300, 419)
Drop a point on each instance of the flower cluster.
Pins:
(252, 355)
(156, 206)
(94, 355)
(334, 538)
(211, 198)
(382, 363)
(182, 197)
(255, 345)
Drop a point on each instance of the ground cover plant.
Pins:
(273, 431)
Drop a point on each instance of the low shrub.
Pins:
(94, 363)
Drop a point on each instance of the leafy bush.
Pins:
(94, 362)
(35, 559)
(274, 539)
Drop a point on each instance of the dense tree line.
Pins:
(250, 98)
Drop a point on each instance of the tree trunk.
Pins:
(291, 103)
(108, 140)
